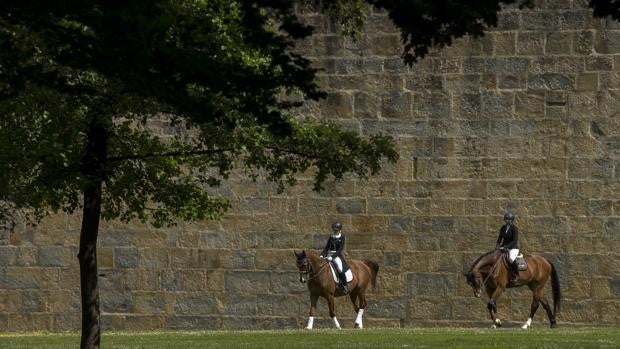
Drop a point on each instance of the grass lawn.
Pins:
(324, 339)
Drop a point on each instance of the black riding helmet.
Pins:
(509, 216)
(337, 226)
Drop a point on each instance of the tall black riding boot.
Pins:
(343, 283)
(514, 273)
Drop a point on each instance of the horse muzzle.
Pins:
(478, 293)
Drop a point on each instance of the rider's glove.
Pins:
(329, 259)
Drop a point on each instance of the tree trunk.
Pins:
(93, 168)
(91, 331)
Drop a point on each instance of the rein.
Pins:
(315, 274)
(484, 282)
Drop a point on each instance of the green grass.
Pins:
(325, 339)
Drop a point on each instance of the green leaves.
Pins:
(159, 100)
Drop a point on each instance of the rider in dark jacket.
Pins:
(508, 240)
(333, 252)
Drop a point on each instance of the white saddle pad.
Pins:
(348, 274)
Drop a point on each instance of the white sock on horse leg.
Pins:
(358, 320)
(336, 323)
(527, 323)
(310, 322)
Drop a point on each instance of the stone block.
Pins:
(247, 282)
(283, 305)
(194, 280)
(238, 305)
(583, 42)
(530, 43)
(10, 301)
(400, 224)
(55, 256)
(558, 43)
(396, 105)
(125, 257)
(550, 81)
(430, 285)
(275, 260)
(152, 303)
(425, 309)
(607, 42)
(116, 301)
(432, 105)
(184, 322)
(387, 307)
(504, 43)
(351, 206)
(383, 206)
(27, 322)
(196, 303)
(423, 82)
(18, 256)
(595, 64)
(28, 278)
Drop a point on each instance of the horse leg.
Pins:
(332, 313)
(353, 296)
(492, 306)
(533, 308)
(545, 304)
(360, 311)
(536, 295)
(313, 300)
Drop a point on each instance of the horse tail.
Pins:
(555, 288)
(374, 269)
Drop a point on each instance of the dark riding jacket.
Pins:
(508, 236)
(334, 244)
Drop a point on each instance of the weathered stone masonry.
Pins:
(526, 119)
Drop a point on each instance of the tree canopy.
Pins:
(216, 68)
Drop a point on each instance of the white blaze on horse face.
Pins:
(310, 322)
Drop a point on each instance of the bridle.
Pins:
(308, 272)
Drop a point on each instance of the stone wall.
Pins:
(524, 119)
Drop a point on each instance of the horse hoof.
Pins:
(524, 327)
(553, 325)
(493, 326)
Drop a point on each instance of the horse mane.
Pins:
(479, 258)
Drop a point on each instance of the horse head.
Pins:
(303, 265)
(475, 281)
(483, 264)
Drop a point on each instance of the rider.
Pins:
(333, 252)
(507, 239)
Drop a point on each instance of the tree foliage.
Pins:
(217, 69)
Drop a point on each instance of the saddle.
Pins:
(519, 261)
(348, 273)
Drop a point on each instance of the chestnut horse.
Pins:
(321, 283)
(492, 271)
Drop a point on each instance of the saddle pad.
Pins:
(521, 263)
(348, 274)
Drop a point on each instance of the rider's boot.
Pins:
(343, 283)
(514, 273)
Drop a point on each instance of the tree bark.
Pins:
(93, 168)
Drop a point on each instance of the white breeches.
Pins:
(338, 262)
(512, 254)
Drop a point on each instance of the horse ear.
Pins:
(297, 254)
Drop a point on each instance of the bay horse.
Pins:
(491, 270)
(317, 273)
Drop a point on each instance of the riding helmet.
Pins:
(509, 216)
(337, 226)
